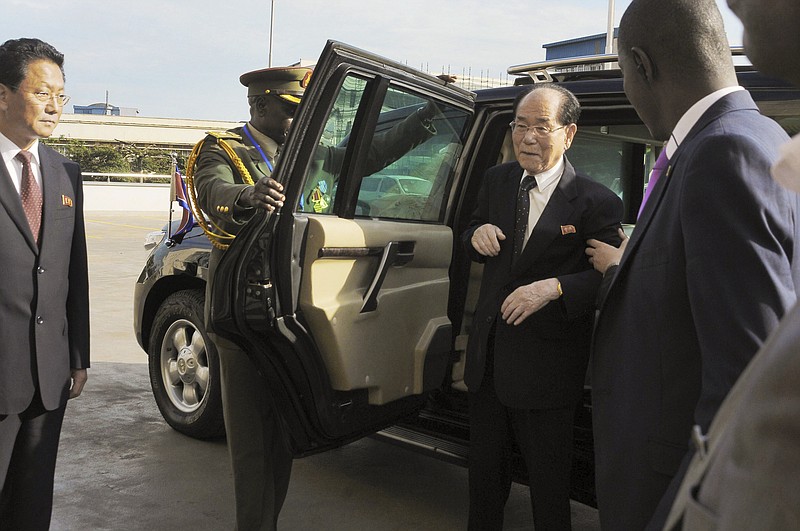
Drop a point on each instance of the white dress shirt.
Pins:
(9, 151)
(546, 183)
(691, 117)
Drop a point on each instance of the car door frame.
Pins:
(255, 294)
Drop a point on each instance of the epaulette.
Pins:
(225, 135)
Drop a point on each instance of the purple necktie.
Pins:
(662, 162)
(31, 194)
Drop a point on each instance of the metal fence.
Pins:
(137, 178)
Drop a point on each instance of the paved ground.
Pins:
(122, 468)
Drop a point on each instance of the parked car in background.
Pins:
(358, 316)
(377, 186)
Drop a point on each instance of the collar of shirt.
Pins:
(692, 116)
(547, 178)
(267, 144)
(9, 151)
(786, 171)
(540, 195)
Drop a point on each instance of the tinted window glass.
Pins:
(409, 165)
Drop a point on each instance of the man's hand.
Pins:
(266, 194)
(79, 377)
(528, 299)
(602, 255)
(447, 78)
(486, 239)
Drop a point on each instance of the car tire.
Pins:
(184, 369)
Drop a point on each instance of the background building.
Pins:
(104, 109)
(579, 47)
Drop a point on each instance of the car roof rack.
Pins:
(543, 71)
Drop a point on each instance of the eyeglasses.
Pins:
(45, 97)
(539, 131)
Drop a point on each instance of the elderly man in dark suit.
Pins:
(708, 271)
(44, 295)
(529, 346)
(745, 476)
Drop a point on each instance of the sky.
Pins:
(183, 58)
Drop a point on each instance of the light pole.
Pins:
(271, 29)
(610, 30)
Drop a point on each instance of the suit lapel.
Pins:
(652, 207)
(558, 209)
(735, 101)
(507, 191)
(52, 174)
(11, 201)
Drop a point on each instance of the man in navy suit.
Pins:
(746, 476)
(529, 345)
(708, 272)
(44, 294)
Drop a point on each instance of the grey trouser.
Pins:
(260, 455)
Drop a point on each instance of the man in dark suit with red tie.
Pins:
(44, 294)
(529, 345)
(708, 272)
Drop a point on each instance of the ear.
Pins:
(5, 92)
(644, 65)
(259, 106)
(570, 131)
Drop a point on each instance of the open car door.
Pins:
(341, 297)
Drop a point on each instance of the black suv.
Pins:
(357, 308)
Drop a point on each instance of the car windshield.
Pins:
(415, 186)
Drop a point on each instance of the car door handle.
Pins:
(395, 254)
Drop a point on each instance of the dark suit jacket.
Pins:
(706, 276)
(541, 363)
(748, 477)
(44, 291)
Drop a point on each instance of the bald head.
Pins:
(685, 38)
(672, 54)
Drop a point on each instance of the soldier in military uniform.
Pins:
(260, 453)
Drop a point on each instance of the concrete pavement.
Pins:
(121, 467)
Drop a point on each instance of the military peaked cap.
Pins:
(288, 83)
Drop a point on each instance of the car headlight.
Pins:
(153, 238)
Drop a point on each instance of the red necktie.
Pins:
(31, 194)
(662, 162)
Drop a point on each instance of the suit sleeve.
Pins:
(216, 185)
(78, 296)
(480, 216)
(390, 145)
(601, 223)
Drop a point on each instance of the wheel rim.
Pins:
(184, 366)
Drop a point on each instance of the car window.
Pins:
(388, 184)
(413, 186)
(370, 184)
(409, 165)
(619, 157)
(323, 174)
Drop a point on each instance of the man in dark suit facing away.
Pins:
(529, 345)
(44, 293)
(710, 267)
(745, 476)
